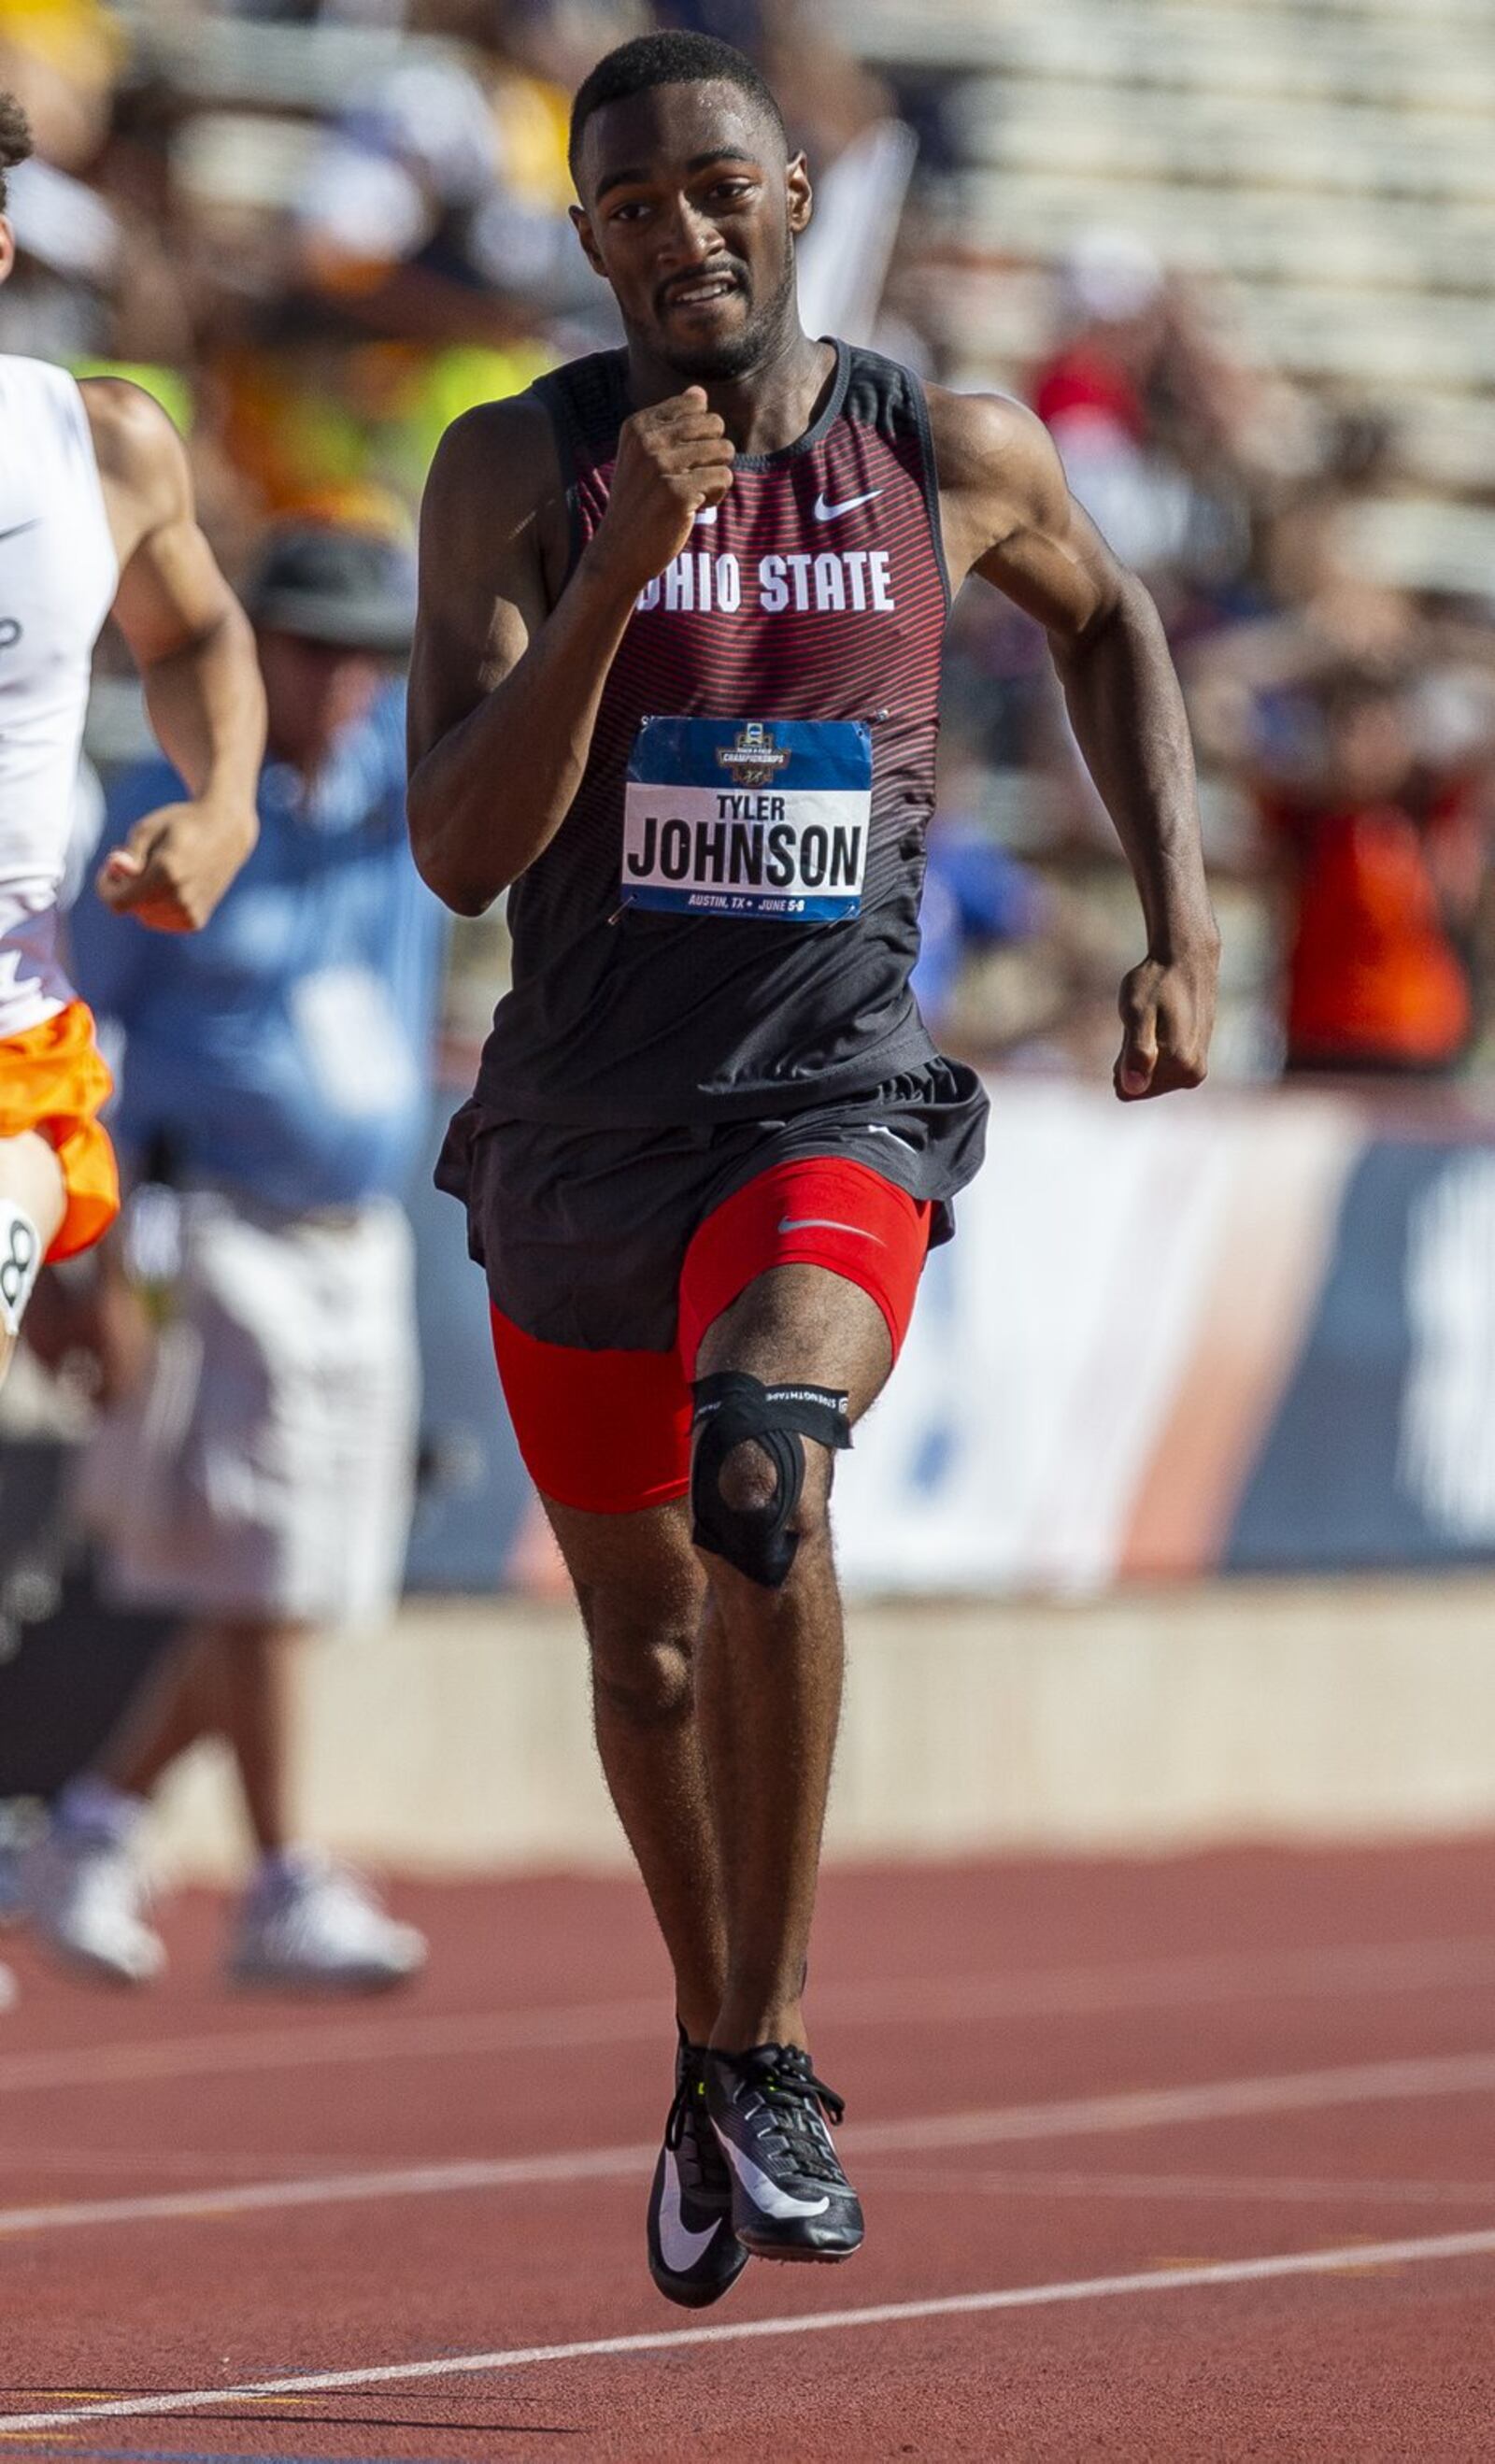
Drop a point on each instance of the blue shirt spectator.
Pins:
(976, 895)
(283, 1052)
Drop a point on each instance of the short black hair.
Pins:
(677, 58)
(16, 138)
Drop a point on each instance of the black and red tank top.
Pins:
(725, 923)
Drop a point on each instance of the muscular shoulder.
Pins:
(502, 454)
(494, 502)
(134, 440)
(997, 470)
(141, 460)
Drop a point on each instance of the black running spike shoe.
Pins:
(693, 2254)
(790, 2198)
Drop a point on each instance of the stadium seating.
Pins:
(1330, 164)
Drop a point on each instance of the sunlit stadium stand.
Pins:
(1332, 165)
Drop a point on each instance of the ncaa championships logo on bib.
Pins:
(783, 837)
(756, 759)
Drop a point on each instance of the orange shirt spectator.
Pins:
(1381, 867)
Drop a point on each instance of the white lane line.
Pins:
(1255, 2188)
(1130, 2109)
(1150, 2109)
(1029, 2181)
(336, 2042)
(1199, 1979)
(1097, 1989)
(331, 2190)
(193, 2164)
(1356, 2258)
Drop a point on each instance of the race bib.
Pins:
(748, 818)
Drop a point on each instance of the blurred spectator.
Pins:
(275, 1074)
(977, 895)
(1153, 421)
(1371, 805)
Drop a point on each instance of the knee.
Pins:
(762, 1470)
(642, 1667)
(748, 1484)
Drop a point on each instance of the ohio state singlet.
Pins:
(724, 925)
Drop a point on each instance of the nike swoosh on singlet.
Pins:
(824, 512)
(825, 1223)
(16, 528)
(679, 2247)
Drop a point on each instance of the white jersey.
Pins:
(58, 575)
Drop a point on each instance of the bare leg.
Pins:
(31, 1177)
(228, 1680)
(178, 1706)
(258, 1661)
(769, 1681)
(641, 1594)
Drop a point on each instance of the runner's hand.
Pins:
(176, 864)
(673, 459)
(1167, 1014)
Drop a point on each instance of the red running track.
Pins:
(1185, 2159)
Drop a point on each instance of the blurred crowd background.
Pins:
(1235, 259)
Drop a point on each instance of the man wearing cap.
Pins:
(274, 1073)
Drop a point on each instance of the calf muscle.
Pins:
(769, 1679)
(715, 1700)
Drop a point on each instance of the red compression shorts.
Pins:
(609, 1432)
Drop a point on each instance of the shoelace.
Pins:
(680, 2111)
(791, 2094)
(703, 2157)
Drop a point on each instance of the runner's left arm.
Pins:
(195, 652)
(1009, 517)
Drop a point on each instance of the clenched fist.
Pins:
(673, 460)
(176, 864)
(1167, 1018)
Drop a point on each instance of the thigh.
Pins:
(637, 1572)
(823, 1213)
(806, 1324)
(604, 1436)
(58, 1164)
(796, 1326)
(31, 1177)
(581, 1235)
(580, 1232)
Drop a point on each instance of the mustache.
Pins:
(731, 265)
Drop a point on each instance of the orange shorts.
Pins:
(53, 1079)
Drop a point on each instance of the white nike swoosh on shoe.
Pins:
(678, 2246)
(766, 2195)
(825, 1223)
(824, 512)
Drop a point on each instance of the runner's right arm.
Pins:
(504, 687)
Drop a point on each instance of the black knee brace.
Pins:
(731, 1408)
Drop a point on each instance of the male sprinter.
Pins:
(96, 514)
(676, 682)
